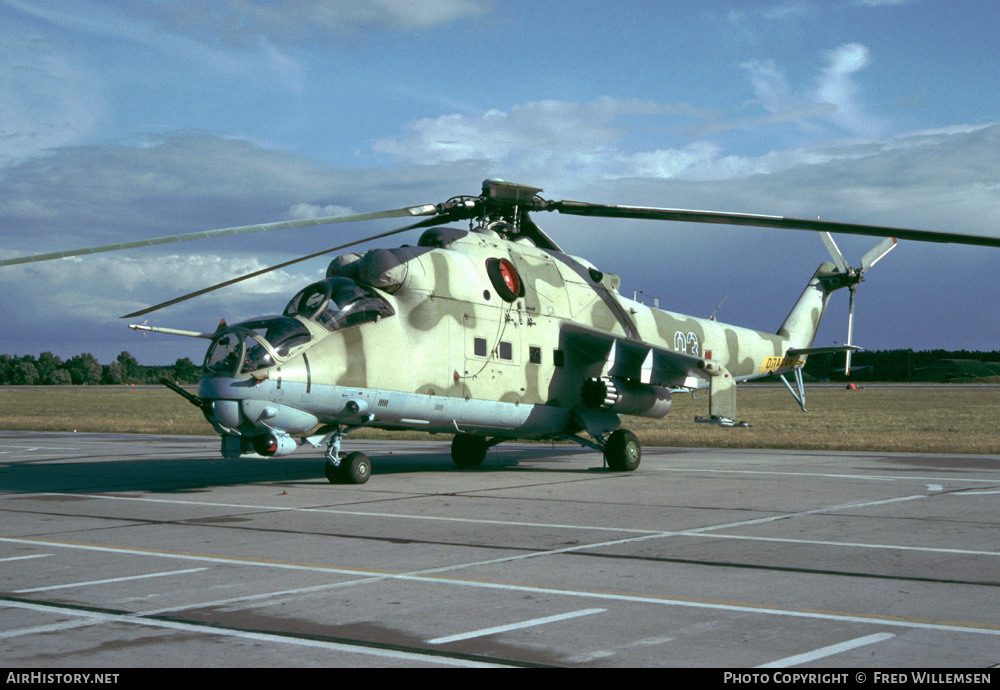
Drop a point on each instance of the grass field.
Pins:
(918, 420)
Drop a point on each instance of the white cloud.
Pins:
(837, 87)
(882, 3)
(784, 11)
(769, 84)
(548, 137)
(834, 100)
(245, 22)
(556, 140)
(560, 141)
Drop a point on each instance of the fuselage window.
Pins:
(535, 355)
(479, 347)
(506, 351)
(558, 358)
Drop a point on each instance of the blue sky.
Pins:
(124, 120)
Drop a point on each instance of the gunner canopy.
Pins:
(255, 343)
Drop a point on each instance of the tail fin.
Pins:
(803, 321)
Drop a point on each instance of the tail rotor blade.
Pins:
(850, 333)
(880, 250)
(831, 246)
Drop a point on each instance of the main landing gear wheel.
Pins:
(468, 450)
(355, 468)
(622, 451)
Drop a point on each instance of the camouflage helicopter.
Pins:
(490, 333)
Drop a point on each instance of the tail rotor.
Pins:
(849, 277)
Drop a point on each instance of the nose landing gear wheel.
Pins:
(355, 468)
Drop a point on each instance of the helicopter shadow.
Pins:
(200, 474)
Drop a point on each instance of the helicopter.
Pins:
(490, 333)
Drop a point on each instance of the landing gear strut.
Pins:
(353, 468)
(622, 451)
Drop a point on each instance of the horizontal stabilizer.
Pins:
(822, 350)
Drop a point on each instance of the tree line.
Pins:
(899, 365)
(84, 370)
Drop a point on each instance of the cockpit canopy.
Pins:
(334, 303)
(339, 303)
(255, 344)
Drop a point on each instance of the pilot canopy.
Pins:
(338, 303)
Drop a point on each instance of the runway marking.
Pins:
(22, 558)
(359, 513)
(828, 651)
(104, 582)
(814, 511)
(947, 480)
(694, 532)
(510, 523)
(820, 542)
(30, 449)
(42, 629)
(434, 576)
(96, 617)
(605, 653)
(514, 626)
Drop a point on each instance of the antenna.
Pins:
(712, 317)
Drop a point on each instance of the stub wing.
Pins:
(636, 360)
(648, 367)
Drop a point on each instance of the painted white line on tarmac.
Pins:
(872, 477)
(24, 558)
(94, 617)
(364, 514)
(824, 652)
(514, 626)
(851, 544)
(432, 577)
(104, 582)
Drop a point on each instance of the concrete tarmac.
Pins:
(124, 551)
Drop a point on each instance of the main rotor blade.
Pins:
(425, 210)
(191, 295)
(579, 208)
